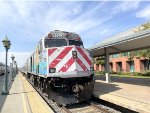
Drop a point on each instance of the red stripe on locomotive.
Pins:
(50, 51)
(84, 56)
(59, 57)
(81, 64)
(67, 65)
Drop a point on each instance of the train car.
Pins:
(2, 69)
(61, 67)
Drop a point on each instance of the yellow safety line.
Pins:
(23, 100)
(37, 104)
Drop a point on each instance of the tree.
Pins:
(142, 27)
(146, 54)
(132, 54)
(145, 26)
(141, 53)
(100, 60)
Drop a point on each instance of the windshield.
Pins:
(55, 43)
(75, 42)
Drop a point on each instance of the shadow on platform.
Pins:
(3, 97)
(99, 86)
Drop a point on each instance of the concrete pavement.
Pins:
(23, 98)
(129, 93)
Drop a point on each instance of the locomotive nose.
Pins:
(72, 61)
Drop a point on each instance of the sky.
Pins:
(25, 22)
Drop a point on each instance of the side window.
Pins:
(40, 48)
(33, 62)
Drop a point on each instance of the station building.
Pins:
(121, 63)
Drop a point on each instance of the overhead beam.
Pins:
(116, 49)
(135, 49)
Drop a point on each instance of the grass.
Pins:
(129, 76)
(125, 75)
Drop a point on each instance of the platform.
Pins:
(22, 98)
(125, 92)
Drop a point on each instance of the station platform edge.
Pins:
(23, 98)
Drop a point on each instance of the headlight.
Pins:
(52, 70)
(91, 68)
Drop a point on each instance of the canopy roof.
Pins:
(123, 42)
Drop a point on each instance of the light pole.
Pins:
(15, 68)
(12, 57)
(6, 44)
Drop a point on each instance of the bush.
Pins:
(113, 72)
(146, 73)
(119, 73)
(100, 72)
(122, 73)
(136, 74)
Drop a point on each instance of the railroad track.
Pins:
(83, 107)
(88, 107)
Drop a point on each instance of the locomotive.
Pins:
(61, 67)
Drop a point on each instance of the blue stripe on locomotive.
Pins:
(34, 68)
(43, 68)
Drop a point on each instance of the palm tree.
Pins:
(132, 54)
(100, 60)
(146, 54)
(146, 26)
(143, 27)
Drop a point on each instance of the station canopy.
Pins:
(126, 41)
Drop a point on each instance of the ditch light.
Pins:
(52, 70)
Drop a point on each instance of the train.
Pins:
(61, 68)
(2, 69)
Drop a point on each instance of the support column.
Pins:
(10, 74)
(107, 67)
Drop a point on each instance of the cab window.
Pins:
(55, 43)
(75, 42)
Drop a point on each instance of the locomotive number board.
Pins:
(63, 35)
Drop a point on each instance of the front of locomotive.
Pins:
(70, 68)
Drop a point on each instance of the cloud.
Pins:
(72, 17)
(20, 57)
(144, 13)
(34, 19)
(126, 6)
(27, 21)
